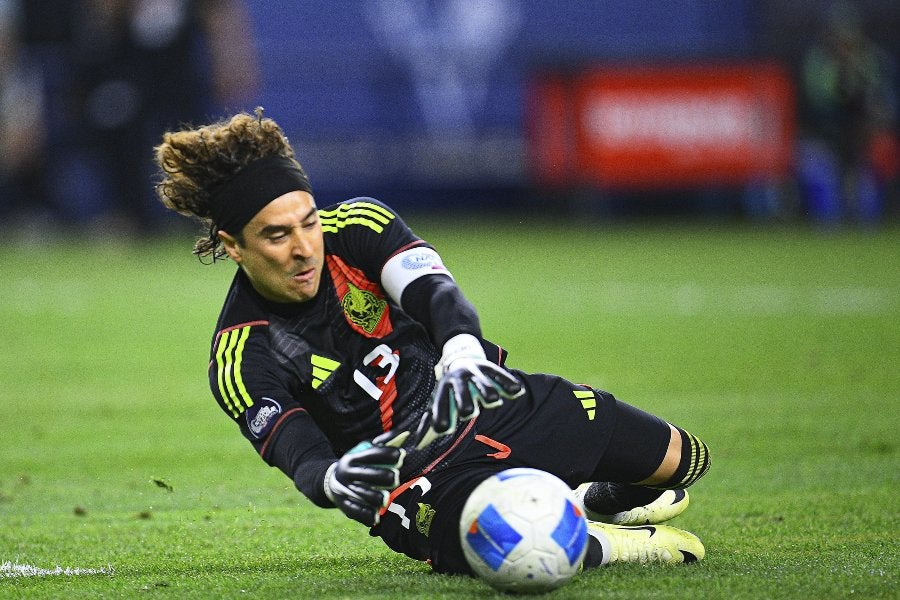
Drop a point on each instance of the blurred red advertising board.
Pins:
(662, 126)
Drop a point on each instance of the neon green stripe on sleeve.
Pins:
(238, 377)
(221, 372)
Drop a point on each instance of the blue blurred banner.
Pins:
(430, 93)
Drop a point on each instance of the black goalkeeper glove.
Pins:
(466, 382)
(359, 482)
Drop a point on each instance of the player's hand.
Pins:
(359, 482)
(466, 382)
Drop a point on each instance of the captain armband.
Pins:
(407, 266)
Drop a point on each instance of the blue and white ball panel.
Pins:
(492, 537)
(571, 532)
(515, 472)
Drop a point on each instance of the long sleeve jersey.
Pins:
(305, 382)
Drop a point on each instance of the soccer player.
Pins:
(351, 361)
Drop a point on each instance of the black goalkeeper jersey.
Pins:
(341, 368)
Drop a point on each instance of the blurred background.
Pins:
(746, 110)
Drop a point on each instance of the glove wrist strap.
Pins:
(329, 475)
(462, 345)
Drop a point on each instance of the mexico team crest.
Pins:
(362, 301)
(424, 517)
(363, 308)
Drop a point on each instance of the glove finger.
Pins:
(477, 402)
(425, 433)
(375, 477)
(422, 428)
(443, 408)
(368, 496)
(393, 439)
(391, 454)
(485, 391)
(365, 513)
(503, 381)
(466, 403)
(378, 466)
(376, 456)
(494, 403)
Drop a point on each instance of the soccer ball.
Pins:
(522, 531)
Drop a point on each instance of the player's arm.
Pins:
(358, 483)
(418, 280)
(255, 395)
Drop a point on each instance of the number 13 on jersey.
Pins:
(384, 389)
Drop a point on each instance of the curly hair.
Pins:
(195, 162)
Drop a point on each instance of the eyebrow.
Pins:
(276, 228)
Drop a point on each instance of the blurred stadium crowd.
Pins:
(87, 86)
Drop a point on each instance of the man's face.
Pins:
(282, 251)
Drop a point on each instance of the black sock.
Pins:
(694, 463)
(594, 556)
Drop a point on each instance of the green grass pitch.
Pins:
(779, 347)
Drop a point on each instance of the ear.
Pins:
(231, 246)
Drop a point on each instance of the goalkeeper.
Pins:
(349, 358)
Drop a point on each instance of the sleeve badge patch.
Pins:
(261, 417)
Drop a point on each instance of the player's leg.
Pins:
(582, 434)
(644, 473)
(640, 478)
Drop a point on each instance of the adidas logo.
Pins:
(322, 368)
(588, 402)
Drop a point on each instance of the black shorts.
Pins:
(573, 431)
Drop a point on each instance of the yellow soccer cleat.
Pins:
(646, 544)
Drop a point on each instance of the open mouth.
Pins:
(304, 276)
